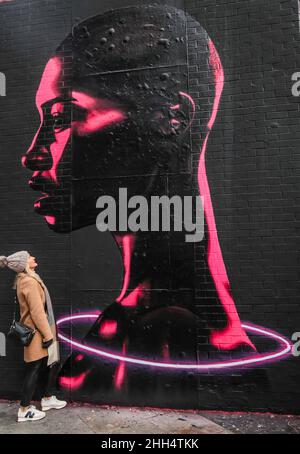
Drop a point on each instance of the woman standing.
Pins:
(42, 355)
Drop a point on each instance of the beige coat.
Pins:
(32, 303)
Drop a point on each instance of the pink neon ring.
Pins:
(284, 351)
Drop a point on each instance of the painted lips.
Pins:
(51, 203)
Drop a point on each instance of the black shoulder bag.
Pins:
(20, 331)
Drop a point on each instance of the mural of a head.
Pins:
(128, 99)
(116, 109)
(114, 102)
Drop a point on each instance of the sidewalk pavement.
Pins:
(87, 419)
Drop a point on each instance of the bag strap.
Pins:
(16, 306)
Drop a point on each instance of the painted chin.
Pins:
(45, 206)
(54, 210)
(51, 220)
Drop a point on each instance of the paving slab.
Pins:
(86, 419)
(255, 423)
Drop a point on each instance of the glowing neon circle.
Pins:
(284, 350)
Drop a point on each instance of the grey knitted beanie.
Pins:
(16, 262)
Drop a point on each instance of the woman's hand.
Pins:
(46, 344)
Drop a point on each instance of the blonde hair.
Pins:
(28, 271)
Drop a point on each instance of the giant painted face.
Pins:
(105, 134)
(67, 118)
(116, 113)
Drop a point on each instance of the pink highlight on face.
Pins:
(233, 335)
(73, 383)
(48, 90)
(100, 113)
(108, 329)
(50, 219)
(57, 150)
(186, 95)
(177, 106)
(193, 104)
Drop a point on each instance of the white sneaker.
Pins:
(32, 414)
(48, 404)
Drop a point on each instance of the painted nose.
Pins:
(40, 159)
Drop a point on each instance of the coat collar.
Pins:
(23, 274)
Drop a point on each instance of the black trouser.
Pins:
(38, 371)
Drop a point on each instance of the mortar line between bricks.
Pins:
(299, 15)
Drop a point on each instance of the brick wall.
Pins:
(30, 31)
(252, 167)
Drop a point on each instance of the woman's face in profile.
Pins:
(77, 121)
(32, 263)
(109, 138)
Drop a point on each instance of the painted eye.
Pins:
(58, 123)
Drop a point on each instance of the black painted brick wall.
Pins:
(253, 167)
(29, 33)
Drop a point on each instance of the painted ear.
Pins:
(182, 113)
(175, 118)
